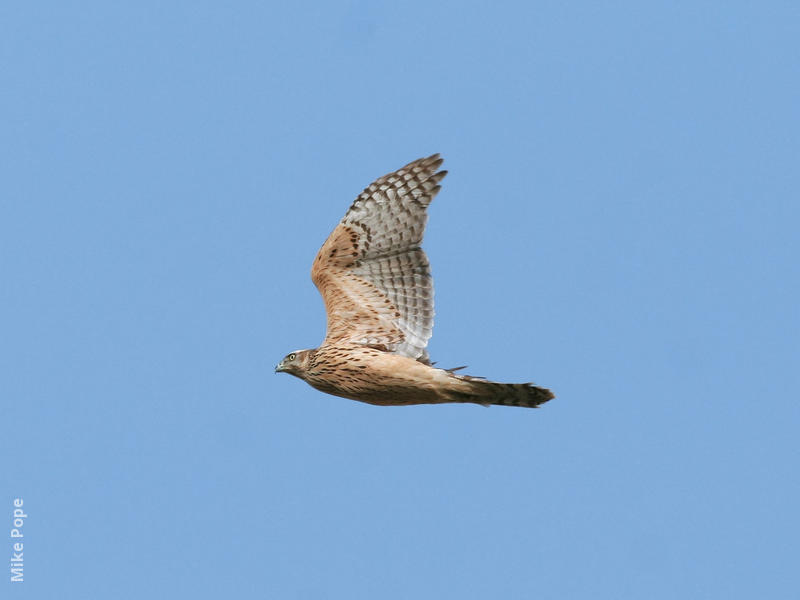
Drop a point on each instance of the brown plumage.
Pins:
(378, 292)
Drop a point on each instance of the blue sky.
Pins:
(620, 224)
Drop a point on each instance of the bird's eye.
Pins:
(291, 356)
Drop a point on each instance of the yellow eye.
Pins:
(291, 356)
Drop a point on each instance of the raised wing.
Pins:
(372, 274)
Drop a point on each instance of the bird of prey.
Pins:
(378, 292)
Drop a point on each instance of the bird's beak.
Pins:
(279, 367)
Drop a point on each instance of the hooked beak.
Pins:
(279, 368)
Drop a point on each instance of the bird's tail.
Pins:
(482, 391)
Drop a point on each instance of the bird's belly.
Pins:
(392, 381)
(382, 394)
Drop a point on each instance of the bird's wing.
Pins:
(372, 274)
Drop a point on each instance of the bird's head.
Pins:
(295, 363)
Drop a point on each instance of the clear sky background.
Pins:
(620, 224)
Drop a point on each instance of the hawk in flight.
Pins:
(378, 292)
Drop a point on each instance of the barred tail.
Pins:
(486, 392)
